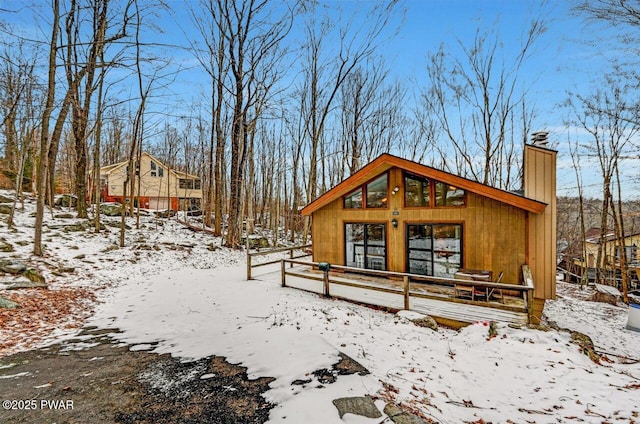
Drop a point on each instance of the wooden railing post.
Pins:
(283, 271)
(248, 266)
(326, 283)
(405, 281)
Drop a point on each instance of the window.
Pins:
(416, 191)
(631, 253)
(366, 246)
(189, 184)
(448, 195)
(377, 193)
(156, 170)
(189, 204)
(374, 192)
(137, 167)
(353, 200)
(419, 192)
(434, 249)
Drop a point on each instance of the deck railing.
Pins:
(250, 265)
(525, 291)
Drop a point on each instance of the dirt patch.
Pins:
(92, 379)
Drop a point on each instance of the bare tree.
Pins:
(575, 158)
(371, 116)
(477, 101)
(135, 148)
(325, 73)
(253, 35)
(44, 133)
(97, 144)
(213, 59)
(19, 100)
(613, 12)
(609, 120)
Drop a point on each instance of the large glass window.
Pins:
(366, 246)
(374, 192)
(156, 170)
(434, 249)
(416, 191)
(353, 200)
(189, 184)
(377, 193)
(448, 195)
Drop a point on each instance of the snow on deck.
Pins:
(443, 309)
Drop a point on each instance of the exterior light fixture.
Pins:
(395, 190)
(394, 222)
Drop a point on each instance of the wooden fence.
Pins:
(525, 290)
(291, 250)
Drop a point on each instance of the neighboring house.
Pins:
(399, 215)
(609, 268)
(611, 250)
(160, 187)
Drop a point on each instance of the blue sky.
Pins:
(568, 57)
(429, 23)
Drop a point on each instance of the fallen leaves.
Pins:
(41, 312)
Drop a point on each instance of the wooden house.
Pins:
(611, 248)
(160, 187)
(608, 270)
(399, 215)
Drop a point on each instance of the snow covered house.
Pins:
(160, 187)
(402, 216)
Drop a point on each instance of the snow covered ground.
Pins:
(167, 287)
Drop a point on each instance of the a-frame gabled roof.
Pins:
(386, 161)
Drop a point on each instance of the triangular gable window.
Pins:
(375, 192)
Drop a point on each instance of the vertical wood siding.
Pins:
(493, 232)
(540, 184)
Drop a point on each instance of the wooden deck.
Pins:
(435, 299)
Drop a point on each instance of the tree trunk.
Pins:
(44, 134)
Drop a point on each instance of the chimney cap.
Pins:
(540, 138)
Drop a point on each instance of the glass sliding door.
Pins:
(434, 249)
(366, 246)
(447, 242)
(354, 245)
(419, 249)
(376, 251)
